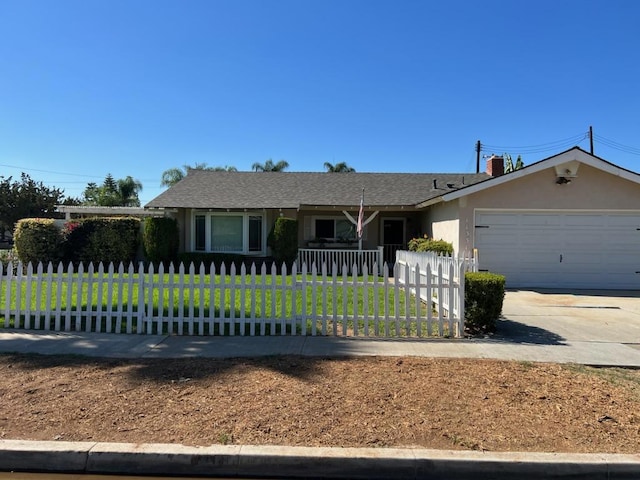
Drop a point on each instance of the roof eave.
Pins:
(574, 153)
(431, 201)
(357, 206)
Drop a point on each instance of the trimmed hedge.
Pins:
(38, 240)
(105, 239)
(283, 240)
(483, 299)
(160, 239)
(424, 244)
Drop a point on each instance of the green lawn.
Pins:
(275, 304)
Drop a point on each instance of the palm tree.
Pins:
(341, 167)
(171, 177)
(174, 175)
(226, 168)
(128, 189)
(269, 166)
(113, 193)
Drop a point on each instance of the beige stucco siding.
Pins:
(592, 189)
(445, 224)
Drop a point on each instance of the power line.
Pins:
(564, 140)
(23, 169)
(562, 144)
(49, 171)
(617, 146)
(543, 147)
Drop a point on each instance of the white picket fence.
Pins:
(429, 267)
(230, 302)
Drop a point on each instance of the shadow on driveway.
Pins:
(580, 292)
(510, 331)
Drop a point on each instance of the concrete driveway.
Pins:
(553, 316)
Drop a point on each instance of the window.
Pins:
(228, 233)
(334, 229)
(255, 233)
(200, 236)
(325, 228)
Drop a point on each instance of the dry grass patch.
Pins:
(289, 400)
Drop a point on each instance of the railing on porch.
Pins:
(351, 258)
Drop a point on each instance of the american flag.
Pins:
(360, 227)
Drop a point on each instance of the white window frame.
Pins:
(245, 231)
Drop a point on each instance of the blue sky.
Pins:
(134, 87)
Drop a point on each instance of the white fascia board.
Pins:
(576, 154)
(431, 201)
(100, 210)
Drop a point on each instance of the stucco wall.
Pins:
(592, 189)
(445, 224)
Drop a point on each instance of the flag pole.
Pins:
(360, 226)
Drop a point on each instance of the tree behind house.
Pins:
(270, 166)
(25, 198)
(113, 193)
(509, 165)
(340, 167)
(173, 175)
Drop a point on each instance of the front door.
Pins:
(392, 238)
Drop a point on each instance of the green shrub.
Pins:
(38, 240)
(424, 244)
(160, 239)
(283, 240)
(9, 255)
(483, 298)
(103, 240)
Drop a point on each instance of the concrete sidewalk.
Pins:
(541, 334)
(163, 346)
(302, 462)
(585, 327)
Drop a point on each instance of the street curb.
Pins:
(308, 462)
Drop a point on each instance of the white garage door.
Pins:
(560, 249)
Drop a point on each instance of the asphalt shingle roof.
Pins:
(257, 190)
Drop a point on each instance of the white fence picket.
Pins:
(418, 300)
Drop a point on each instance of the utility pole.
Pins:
(591, 138)
(478, 146)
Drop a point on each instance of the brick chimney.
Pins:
(495, 166)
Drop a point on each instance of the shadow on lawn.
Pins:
(168, 371)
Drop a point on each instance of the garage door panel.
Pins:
(598, 249)
(506, 219)
(534, 220)
(575, 280)
(625, 221)
(582, 262)
(535, 237)
(590, 221)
